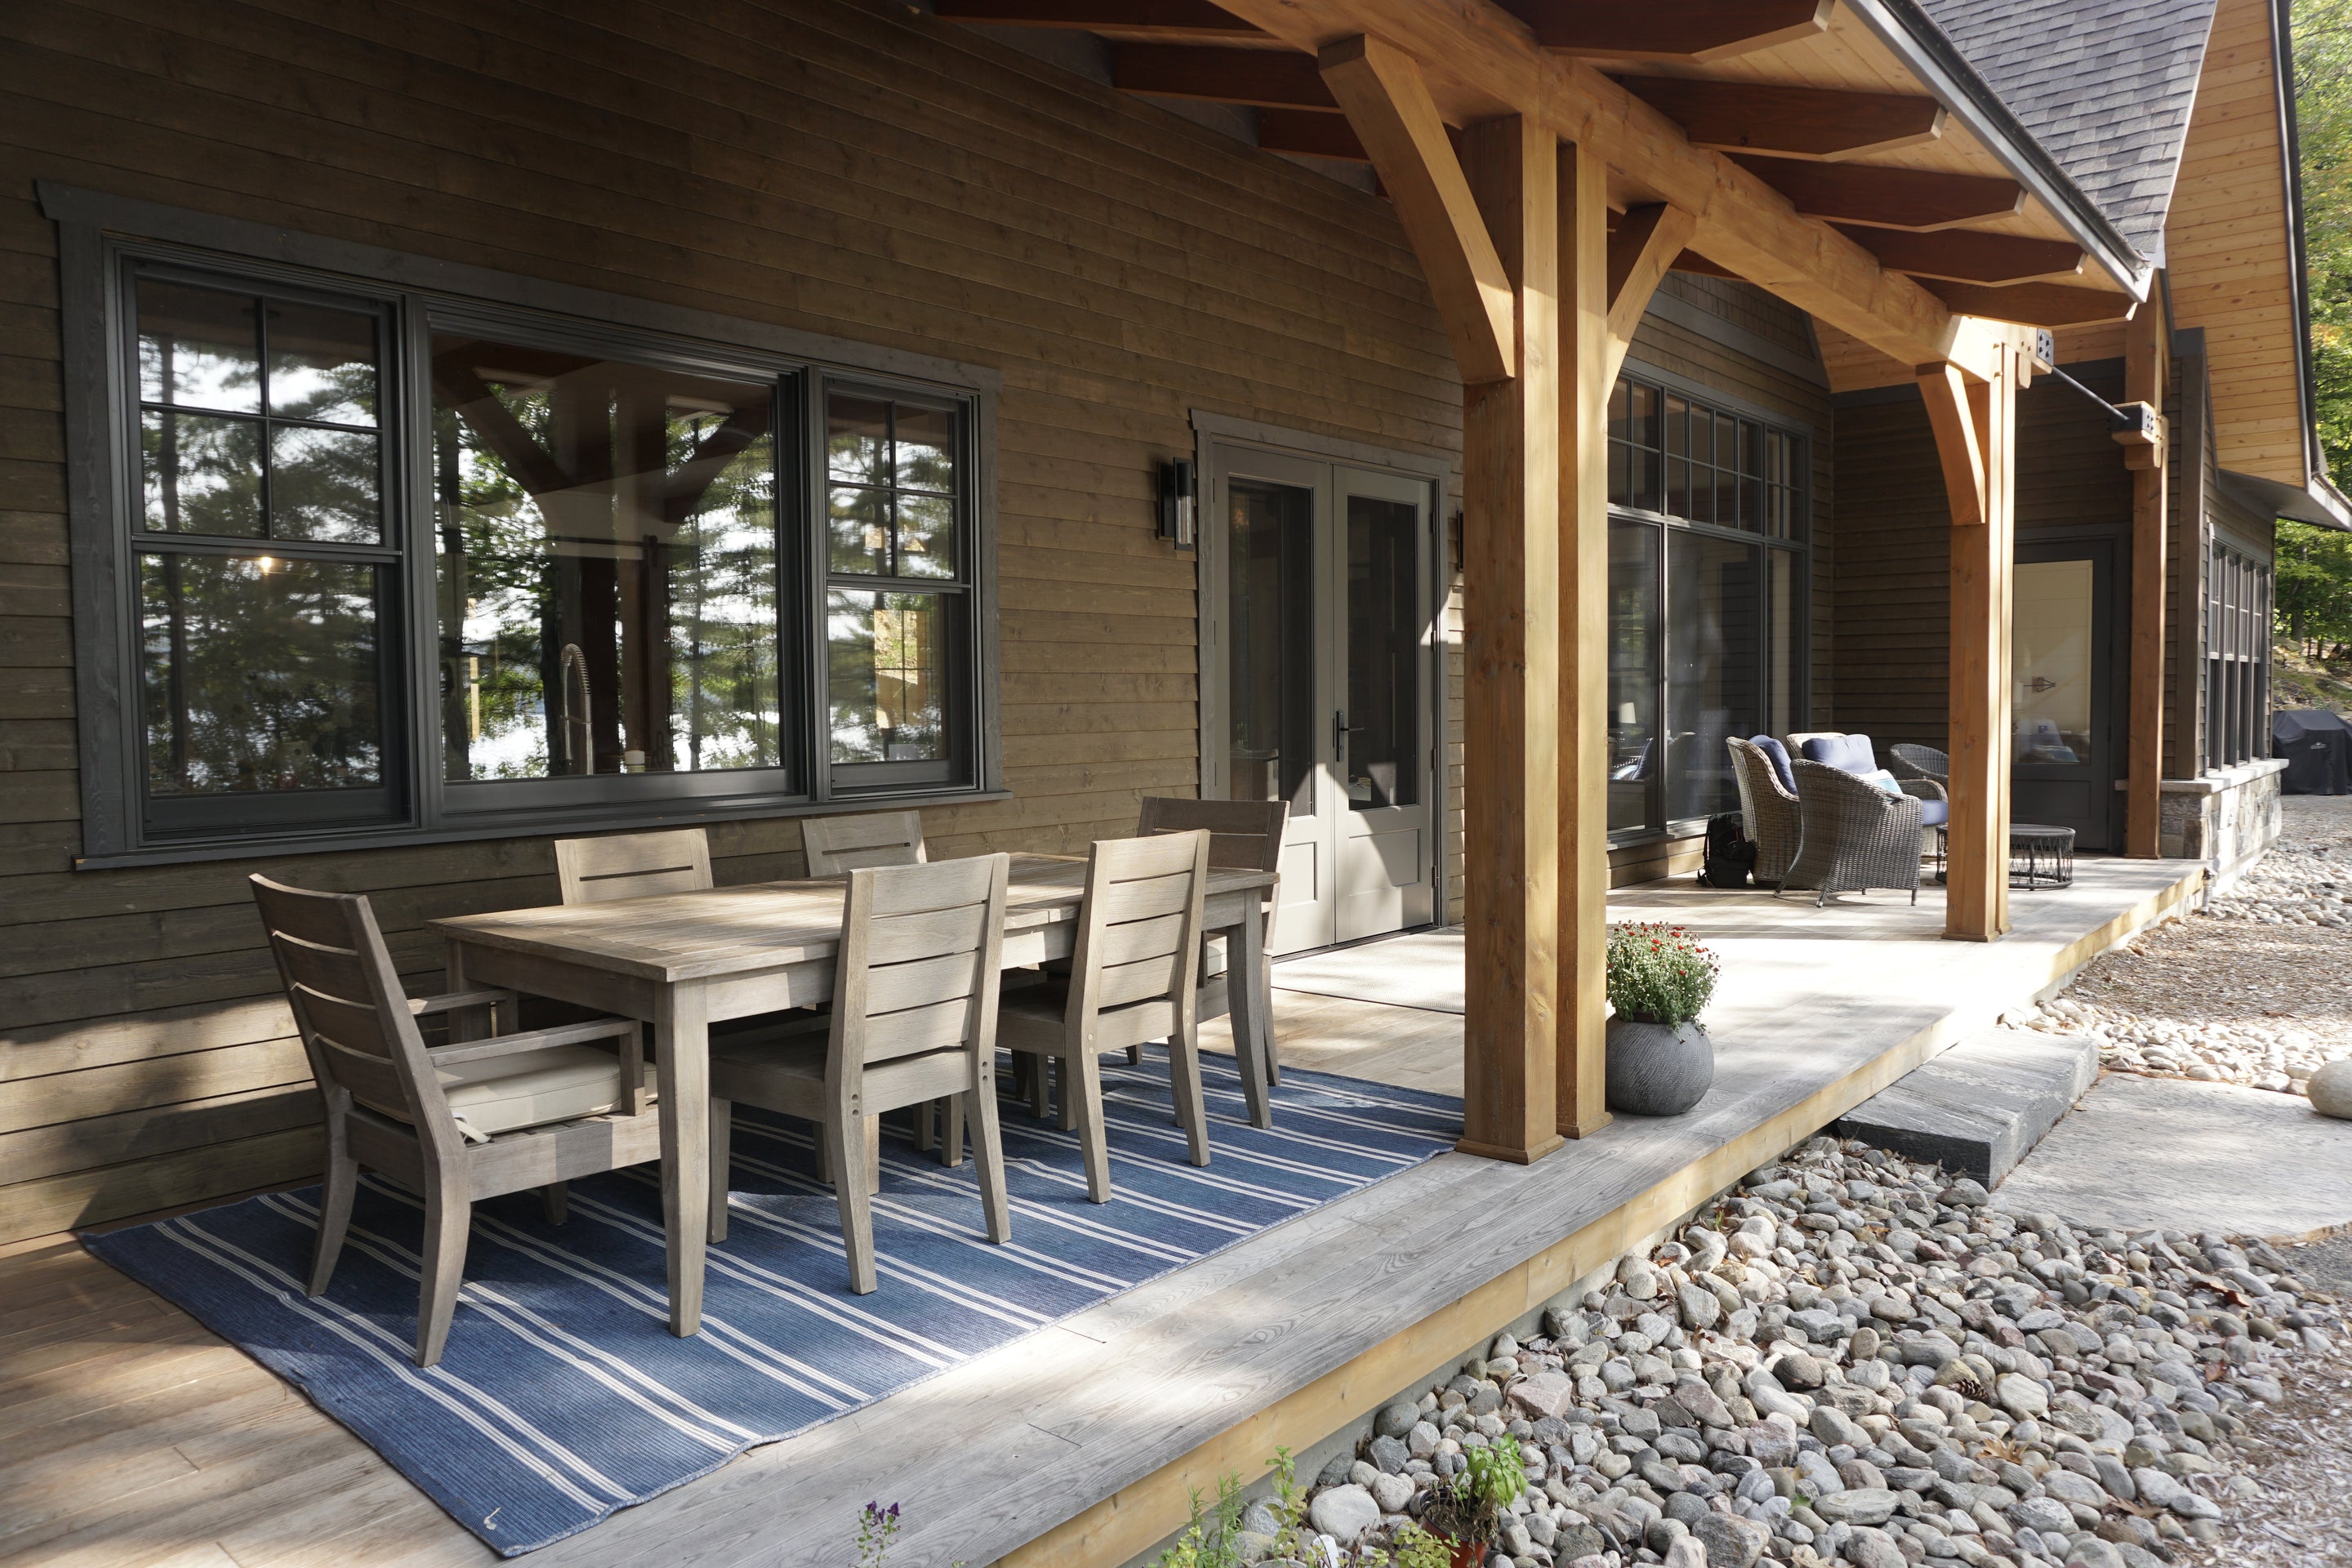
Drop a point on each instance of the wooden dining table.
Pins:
(683, 962)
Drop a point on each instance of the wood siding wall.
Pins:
(830, 165)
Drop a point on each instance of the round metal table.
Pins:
(2040, 855)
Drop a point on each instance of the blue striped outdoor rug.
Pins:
(562, 1394)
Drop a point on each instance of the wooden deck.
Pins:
(130, 1436)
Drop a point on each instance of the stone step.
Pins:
(1981, 1106)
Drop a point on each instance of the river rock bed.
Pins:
(1852, 1358)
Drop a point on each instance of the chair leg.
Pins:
(557, 1196)
(334, 1206)
(1062, 1082)
(1081, 1080)
(825, 1142)
(1266, 1020)
(1040, 1106)
(722, 1155)
(921, 1115)
(988, 1159)
(872, 1155)
(1184, 1079)
(856, 1213)
(447, 1220)
(1135, 1055)
(952, 1128)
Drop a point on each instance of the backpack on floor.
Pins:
(1730, 853)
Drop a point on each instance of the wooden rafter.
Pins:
(2035, 304)
(1970, 256)
(1641, 253)
(1267, 79)
(1184, 19)
(1883, 197)
(1790, 121)
(1685, 30)
(1389, 105)
(1305, 131)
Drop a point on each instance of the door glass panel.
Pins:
(608, 565)
(1633, 672)
(2049, 654)
(1270, 611)
(1781, 644)
(1384, 636)
(1712, 679)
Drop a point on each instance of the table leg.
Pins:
(683, 1073)
(1245, 992)
(465, 1023)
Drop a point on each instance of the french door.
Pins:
(1319, 665)
(2064, 756)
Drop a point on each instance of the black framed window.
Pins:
(377, 563)
(2237, 659)
(1708, 560)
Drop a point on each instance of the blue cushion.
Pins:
(1849, 754)
(1778, 755)
(1934, 813)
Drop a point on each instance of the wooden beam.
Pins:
(1267, 78)
(1641, 253)
(1511, 585)
(1389, 105)
(1974, 423)
(1693, 262)
(1790, 121)
(1304, 131)
(2148, 364)
(1601, 277)
(1686, 30)
(1969, 256)
(1489, 64)
(2035, 304)
(1883, 197)
(1182, 19)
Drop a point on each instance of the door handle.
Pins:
(1338, 734)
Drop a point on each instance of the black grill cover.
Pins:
(2318, 746)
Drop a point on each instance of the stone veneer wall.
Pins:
(2225, 819)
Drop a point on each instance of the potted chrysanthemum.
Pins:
(1661, 1062)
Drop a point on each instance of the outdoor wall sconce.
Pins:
(1179, 502)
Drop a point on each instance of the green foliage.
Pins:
(1214, 1538)
(2323, 102)
(1659, 973)
(1491, 1479)
(2315, 588)
(1416, 1548)
(877, 1527)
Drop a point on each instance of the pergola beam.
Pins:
(2148, 364)
(1685, 30)
(1181, 19)
(1305, 131)
(1882, 197)
(2036, 304)
(1264, 79)
(1789, 122)
(1972, 256)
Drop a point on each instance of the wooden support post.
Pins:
(1591, 349)
(1974, 427)
(2147, 357)
(1511, 583)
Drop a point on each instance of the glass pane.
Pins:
(607, 569)
(1633, 672)
(1712, 687)
(197, 347)
(1384, 635)
(2050, 661)
(1270, 680)
(927, 535)
(323, 485)
(885, 676)
(1782, 642)
(861, 530)
(858, 439)
(322, 363)
(925, 459)
(201, 474)
(1678, 447)
(1641, 489)
(258, 675)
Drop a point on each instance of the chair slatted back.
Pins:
(836, 845)
(920, 960)
(1139, 927)
(1244, 834)
(348, 1004)
(633, 865)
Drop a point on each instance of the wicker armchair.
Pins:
(1920, 765)
(1767, 809)
(1854, 836)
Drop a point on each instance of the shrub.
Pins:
(1659, 973)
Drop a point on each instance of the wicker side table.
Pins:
(2040, 855)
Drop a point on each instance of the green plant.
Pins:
(1214, 1538)
(1416, 1548)
(1491, 1480)
(876, 1529)
(1659, 973)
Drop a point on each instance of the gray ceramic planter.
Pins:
(1657, 1069)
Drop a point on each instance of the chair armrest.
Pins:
(423, 1006)
(624, 1029)
(1926, 789)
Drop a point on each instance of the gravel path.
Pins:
(2258, 991)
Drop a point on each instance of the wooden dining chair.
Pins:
(840, 843)
(1135, 977)
(456, 1123)
(914, 1020)
(1244, 836)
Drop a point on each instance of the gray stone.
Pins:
(1981, 1105)
(1260, 1519)
(1545, 1393)
(1870, 1505)
(1700, 1309)
(1770, 1444)
(2331, 1089)
(1657, 1069)
(1686, 1552)
(1335, 1469)
(1730, 1542)
(1832, 1426)
(1798, 1374)
(1867, 1548)
(1343, 1513)
(2021, 1395)
(1387, 1455)
(1575, 1543)
(1393, 1492)
(1396, 1420)
(2090, 1551)
(2041, 1515)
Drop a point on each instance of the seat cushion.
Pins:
(1849, 754)
(1934, 813)
(530, 1089)
(1778, 755)
(1880, 779)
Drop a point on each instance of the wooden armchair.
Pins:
(457, 1124)
(837, 845)
(1135, 977)
(1244, 834)
(914, 1020)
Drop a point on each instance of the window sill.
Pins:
(403, 838)
(2218, 780)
